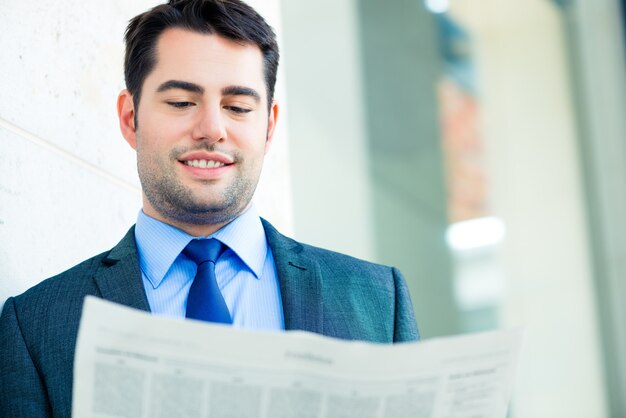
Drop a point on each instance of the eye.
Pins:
(237, 109)
(180, 105)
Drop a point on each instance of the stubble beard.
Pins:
(180, 204)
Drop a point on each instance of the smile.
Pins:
(204, 163)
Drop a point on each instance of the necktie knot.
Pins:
(201, 251)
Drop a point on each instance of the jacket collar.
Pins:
(300, 282)
(118, 277)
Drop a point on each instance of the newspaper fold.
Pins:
(132, 364)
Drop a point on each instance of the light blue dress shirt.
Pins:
(246, 273)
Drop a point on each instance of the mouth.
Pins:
(206, 160)
(204, 163)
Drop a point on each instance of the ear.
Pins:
(271, 125)
(126, 116)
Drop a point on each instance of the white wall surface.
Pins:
(68, 183)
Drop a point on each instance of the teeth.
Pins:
(204, 163)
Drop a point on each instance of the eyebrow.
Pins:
(196, 88)
(182, 85)
(241, 91)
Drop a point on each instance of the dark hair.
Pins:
(232, 19)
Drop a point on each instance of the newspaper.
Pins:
(132, 364)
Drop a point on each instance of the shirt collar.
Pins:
(159, 244)
(245, 236)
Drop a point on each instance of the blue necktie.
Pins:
(205, 301)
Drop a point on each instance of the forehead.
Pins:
(209, 60)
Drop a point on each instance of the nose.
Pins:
(209, 125)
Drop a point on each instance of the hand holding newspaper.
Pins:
(132, 364)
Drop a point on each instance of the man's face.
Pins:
(202, 129)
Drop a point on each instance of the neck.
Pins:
(195, 230)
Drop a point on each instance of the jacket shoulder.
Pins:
(71, 278)
(358, 299)
(63, 288)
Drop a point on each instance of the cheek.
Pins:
(250, 138)
(164, 127)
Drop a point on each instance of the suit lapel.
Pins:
(118, 277)
(300, 282)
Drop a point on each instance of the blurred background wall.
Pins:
(478, 146)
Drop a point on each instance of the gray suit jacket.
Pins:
(322, 291)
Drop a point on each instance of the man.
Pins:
(199, 112)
